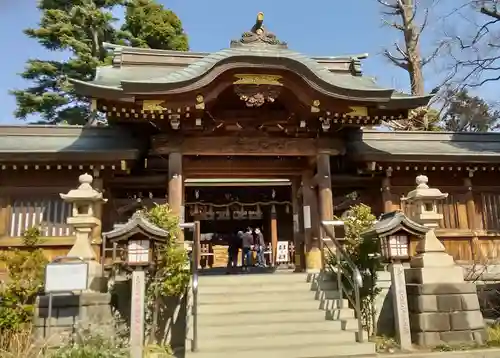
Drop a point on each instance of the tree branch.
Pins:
(491, 13)
(400, 62)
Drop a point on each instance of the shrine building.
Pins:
(253, 135)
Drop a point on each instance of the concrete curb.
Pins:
(476, 353)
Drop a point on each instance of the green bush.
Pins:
(362, 253)
(171, 275)
(25, 269)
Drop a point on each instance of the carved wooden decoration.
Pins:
(315, 106)
(162, 144)
(154, 105)
(200, 102)
(357, 111)
(249, 79)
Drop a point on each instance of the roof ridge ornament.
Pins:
(259, 36)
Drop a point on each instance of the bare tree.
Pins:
(410, 19)
(473, 45)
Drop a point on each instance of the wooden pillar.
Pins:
(298, 226)
(386, 192)
(99, 249)
(325, 188)
(274, 233)
(470, 205)
(311, 224)
(175, 186)
(98, 185)
(325, 196)
(4, 215)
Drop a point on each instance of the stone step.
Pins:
(238, 279)
(276, 340)
(303, 294)
(207, 320)
(278, 286)
(264, 306)
(324, 350)
(270, 328)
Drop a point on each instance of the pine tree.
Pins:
(464, 112)
(80, 27)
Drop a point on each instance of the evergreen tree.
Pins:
(80, 27)
(464, 112)
(148, 24)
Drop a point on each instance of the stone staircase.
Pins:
(276, 315)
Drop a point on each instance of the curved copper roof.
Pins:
(257, 48)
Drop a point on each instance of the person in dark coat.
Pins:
(233, 250)
(247, 243)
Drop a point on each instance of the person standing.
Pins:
(233, 250)
(260, 247)
(247, 243)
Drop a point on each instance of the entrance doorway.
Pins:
(226, 206)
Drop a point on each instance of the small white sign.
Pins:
(66, 276)
(282, 254)
(307, 217)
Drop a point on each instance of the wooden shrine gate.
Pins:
(305, 161)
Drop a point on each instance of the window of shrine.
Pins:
(47, 213)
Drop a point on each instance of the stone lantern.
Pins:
(431, 264)
(443, 308)
(423, 203)
(84, 200)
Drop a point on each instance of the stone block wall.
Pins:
(383, 306)
(487, 287)
(445, 313)
(71, 313)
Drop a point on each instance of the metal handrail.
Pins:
(354, 277)
(195, 253)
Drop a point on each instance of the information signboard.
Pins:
(282, 254)
(66, 277)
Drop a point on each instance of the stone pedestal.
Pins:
(443, 308)
(70, 314)
(446, 313)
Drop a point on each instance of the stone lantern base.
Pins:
(445, 313)
(70, 314)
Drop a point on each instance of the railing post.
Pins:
(354, 276)
(195, 253)
(195, 261)
(357, 300)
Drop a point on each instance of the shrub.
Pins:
(170, 277)
(363, 253)
(90, 343)
(25, 269)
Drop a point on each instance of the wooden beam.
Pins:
(243, 167)
(233, 145)
(6, 241)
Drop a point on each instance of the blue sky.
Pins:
(318, 27)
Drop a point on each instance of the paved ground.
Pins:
(478, 353)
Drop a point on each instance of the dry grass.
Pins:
(19, 345)
(493, 335)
